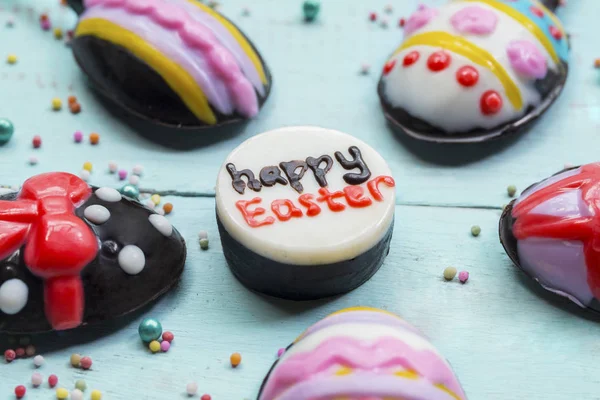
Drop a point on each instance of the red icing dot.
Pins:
(410, 58)
(389, 66)
(438, 61)
(537, 12)
(556, 33)
(491, 102)
(467, 76)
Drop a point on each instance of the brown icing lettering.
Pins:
(289, 168)
(271, 175)
(356, 162)
(238, 183)
(314, 165)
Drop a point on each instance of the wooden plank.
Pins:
(505, 338)
(317, 81)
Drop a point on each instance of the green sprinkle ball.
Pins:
(204, 244)
(150, 329)
(450, 273)
(311, 8)
(81, 385)
(130, 191)
(6, 131)
(475, 230)
(512, 190)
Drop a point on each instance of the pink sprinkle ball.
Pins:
(46, 25)
(78, 137)
(20, 352)
(122, 174)
(36, 379)
(463, 276)
(10, 355)
(280, 352)
(52, 380)
(168, 336)
(165, 346)
(86, 363)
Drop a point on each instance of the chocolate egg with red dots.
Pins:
(180, 64)
(551, 233)
(73, 255)
(305, 212)
(472, 71)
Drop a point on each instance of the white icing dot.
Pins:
(97, 214)
(132, 259)
(108, 194)
(13, 296)
(161, 224)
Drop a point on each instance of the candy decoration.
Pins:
(310, 9)
(168, 336)
(62, 394)
(411, 58)
(78, 136)
(556, 33)
(389, 66)
(14, 294)
(20, 391)
(10, 355)
(76, 394)
(20, 352)
(81, 385)
(463, 276)
(154, 346)
(474, 20)
(235, 359)
(467, 76)
(491, 102)
(165, 346)
(527, 59)
(6, 131)
(86, 362)
(52, 381)
(419, 19)
(38, 361)
(36, 142)
(37, 379)
(438, 61)
(372, 17)
(96, 395)
(75, 360)
(130, 191)
(94, 138)
(191, 388)
(449, 273)
(150, 329)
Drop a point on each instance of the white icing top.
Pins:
(305, 240)
(438, 97)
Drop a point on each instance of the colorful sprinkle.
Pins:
(122, 174)
(206, 397)
(33, 160)
(384, 23)
(467, 76)
(389, 66)
(410, 58)
(72, 99)
(6, 130)
(38, 361)
(149, 330)
(154, 346)
(20, 352)
(203, 235)
(168, 336)
(438, 61)
(491, 102)
(449, 273)
(280, 352)
(527, 59)
(75, 360)
(388, 8)
(36, 142)
(20, 391)
(165, 346)
(245, 12)
(168, 208)
(85, 175)
(310, 9)
(96, 395)
(87, 166)
(155, 199)
(56, 104)
(372, 17)
(85, 362)
(10, 22)
(78, 136)
(62, 393)
(75, 108)
(11, 59)
(401, 22)
(76, 394)
(113, 167)
(475, 20)
(10, 355)
(191, 388)
(475, 230)
(137, 170)
(236, 359)
(597, 63)
(204, 244)
(46, 25)
(463, 276)
(52, 381)
(134, 180)
(94, 138)
(511, 190)
(58, 33)
(150, 204)
(37, 379)
(81, 385)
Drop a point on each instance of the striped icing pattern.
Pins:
(177, 33)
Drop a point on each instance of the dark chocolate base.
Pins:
(131, 84)
(549, 88)
(301, 282)
(109, 291)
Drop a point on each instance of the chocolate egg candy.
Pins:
(177, 63)
(551, 233)
(72, 255)
(474, 70)
(361, 353)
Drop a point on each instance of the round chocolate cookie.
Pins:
(305, 212)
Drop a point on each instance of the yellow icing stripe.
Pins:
(360, 308)
(526, 22)
(552, 16)
(239, 37)
(474, 53)
(176, 77)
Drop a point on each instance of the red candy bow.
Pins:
(58, 244)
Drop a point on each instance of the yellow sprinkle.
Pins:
(58, 33)
(96, 395)
(11, 59)
(154, 346)
(155, 199)
(56, 104)
(62, 393)
(87, 166)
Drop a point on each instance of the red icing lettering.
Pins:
(312, 208)
(355, 197)
(327, 196)
(373, 185)
(249, 215)
(292, 211)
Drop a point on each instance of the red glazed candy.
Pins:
(491, 102)
(438, 61)
(20, 391)
(168, 336)
(410, 58)
(86, 363)
(467, 76)
(52, 380)
(10, 355)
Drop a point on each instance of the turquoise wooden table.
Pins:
(505, 338)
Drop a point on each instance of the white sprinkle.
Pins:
(161, 224)
(113, 167)
(132, 260)
(191, 388)
(150, 204)
(134, 180)
(384, 23)
(137, 170)
(33, 160)
(202, 235)
(76, 394)
(388, 9)
(38, 361)
(97, 214)
(108, 194)
(13, 296)
(36, 379)
(365, 68)
(85, 175)
(160, 211)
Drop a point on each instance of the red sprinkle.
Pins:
(52, 380)
(44, 17)
(556, 33)
(438, 61)
(10, 355)
(20, 352)
(537, 12)
(86, 363)
(20, 391)
(467, 76)
(168, 336)
(410, 58)
(205, 397)
(402, 22)
(37, 141)
(491, 102)
(373, 16)
(389, 66)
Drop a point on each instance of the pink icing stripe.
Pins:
(384, 353)
(198, 38)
